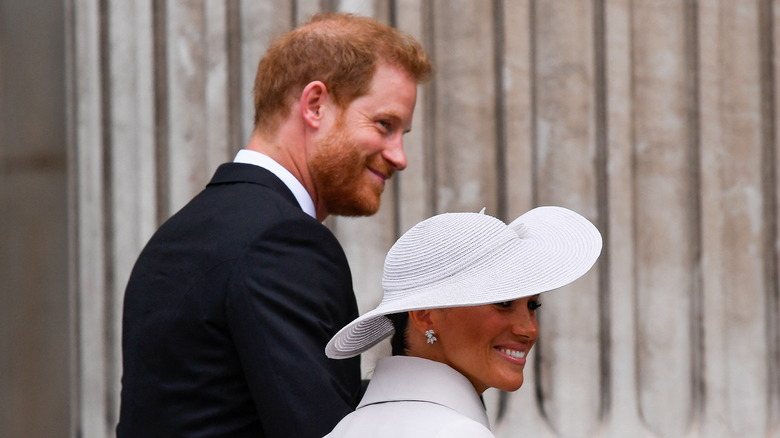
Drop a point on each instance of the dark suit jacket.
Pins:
(226, 316)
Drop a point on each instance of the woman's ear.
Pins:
(312, 101)
(420, 320)
(422, 334)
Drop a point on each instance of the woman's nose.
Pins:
(526, 324)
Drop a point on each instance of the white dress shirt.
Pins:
(247, 156)
(415, 397)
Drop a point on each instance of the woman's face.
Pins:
(488, 344)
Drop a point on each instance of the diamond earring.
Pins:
(430, 335)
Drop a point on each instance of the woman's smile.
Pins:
(514, 355)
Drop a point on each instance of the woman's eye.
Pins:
(505, 304)
(534, 304)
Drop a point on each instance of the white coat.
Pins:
(414, 397)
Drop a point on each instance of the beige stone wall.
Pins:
(657, 119)
(35, 340)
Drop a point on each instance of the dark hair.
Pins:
(398, 341)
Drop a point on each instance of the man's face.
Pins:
(364, 147)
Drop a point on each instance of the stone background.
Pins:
(656, 119)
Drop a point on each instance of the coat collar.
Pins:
(230, 173)
(403, 378)
(247, 156)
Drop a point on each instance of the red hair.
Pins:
(340, 50)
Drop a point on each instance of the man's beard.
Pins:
(339, 171)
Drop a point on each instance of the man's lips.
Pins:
(382, 176)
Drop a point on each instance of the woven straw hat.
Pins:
(470, 259)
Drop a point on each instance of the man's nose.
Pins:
(395, 154)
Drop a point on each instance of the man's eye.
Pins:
(534, 304)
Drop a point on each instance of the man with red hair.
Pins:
(230, 304)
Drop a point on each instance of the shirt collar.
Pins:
(399, 378)
(247, 156)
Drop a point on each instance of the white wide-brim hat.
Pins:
(470, 259)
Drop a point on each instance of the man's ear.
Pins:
(313, 99)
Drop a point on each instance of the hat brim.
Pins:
(555, 246)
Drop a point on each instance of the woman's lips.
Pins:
(517, 355)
